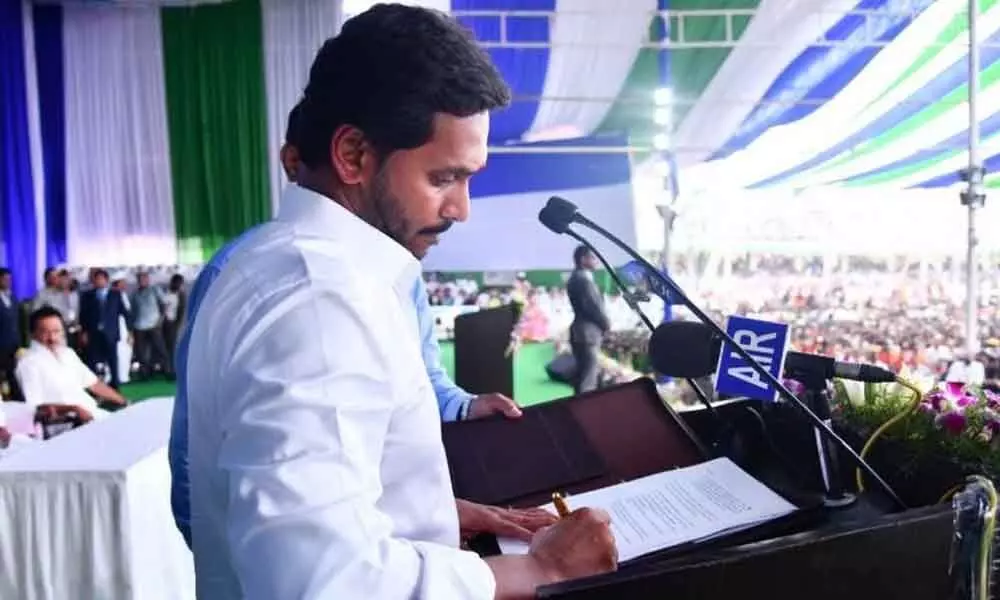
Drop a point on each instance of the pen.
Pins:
(561, 507)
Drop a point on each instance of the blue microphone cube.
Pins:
(767, 343)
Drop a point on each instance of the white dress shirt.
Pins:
(58, 377)
(316, 463)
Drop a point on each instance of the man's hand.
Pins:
(486, 405)
(514, 523)
(579, 545)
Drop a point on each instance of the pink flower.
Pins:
(992, 398)
(954, 389)
(794, 386)
(927, 407)
(952, 422)
(937, 400)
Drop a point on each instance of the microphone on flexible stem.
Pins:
(558, 214)
(557, 217)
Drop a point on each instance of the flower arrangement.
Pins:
(950, 432)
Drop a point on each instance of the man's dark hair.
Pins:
(48, 271)
(292, 128)
(388, 72)
(39, 315)
(4, 271)
(102, 273)
(578, 253)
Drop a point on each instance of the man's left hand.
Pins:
(514, 523)
(486, 405)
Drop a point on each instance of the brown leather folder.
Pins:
(571, 445)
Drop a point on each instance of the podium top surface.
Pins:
(571, 445)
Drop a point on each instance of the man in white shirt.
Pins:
(50, 372)
(315, 455)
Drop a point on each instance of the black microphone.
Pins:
(559, 214)
(828, 368)
(684, 349)
(691, 347)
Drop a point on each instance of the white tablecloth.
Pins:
(86, 515)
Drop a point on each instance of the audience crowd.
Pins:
(124, 325)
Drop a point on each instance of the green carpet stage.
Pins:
(531, 384)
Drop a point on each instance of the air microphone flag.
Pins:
(766, 342)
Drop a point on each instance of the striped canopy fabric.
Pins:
(138, 134)
(882, 100)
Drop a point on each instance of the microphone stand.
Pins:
(636, 309)
(822, 427)
(817, 396)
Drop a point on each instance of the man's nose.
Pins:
(458, 205)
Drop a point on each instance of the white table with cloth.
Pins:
(87, 514)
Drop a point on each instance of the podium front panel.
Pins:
(482, 365)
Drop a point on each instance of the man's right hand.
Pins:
(579, 545)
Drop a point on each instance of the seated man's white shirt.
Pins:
(316, 463)
(59, 377)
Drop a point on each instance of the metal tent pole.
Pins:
(973, 197)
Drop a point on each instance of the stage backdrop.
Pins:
(142, 135)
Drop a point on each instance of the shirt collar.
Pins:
(315, 214)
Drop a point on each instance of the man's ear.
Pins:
(351, 155)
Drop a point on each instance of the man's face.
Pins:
(100, 281)
(5, 281)
(417, 194)
(143, 280)
(49, 332)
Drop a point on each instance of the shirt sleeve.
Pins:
(452, 400)
(302, 444)
(86, 377)
(30, 378)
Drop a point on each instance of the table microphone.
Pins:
(559, 214)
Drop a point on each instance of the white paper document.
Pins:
(675, 507)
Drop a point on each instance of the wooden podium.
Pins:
(589, 441)
(482, 364)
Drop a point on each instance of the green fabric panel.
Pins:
(633, 109)
(692, 69)
(989, 77)
(217, 114)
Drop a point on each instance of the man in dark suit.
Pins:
(10, 331)
(590, 322)
(100, 309)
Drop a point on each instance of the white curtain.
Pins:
(594, 37)
(120, 206)
(294, 30)
(35, 137)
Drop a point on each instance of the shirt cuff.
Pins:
(457, 407)
(467, 573)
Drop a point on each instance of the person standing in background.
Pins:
(10, 334)
(100, 309)
(590, 322)
(174, 313)
(147, 327)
